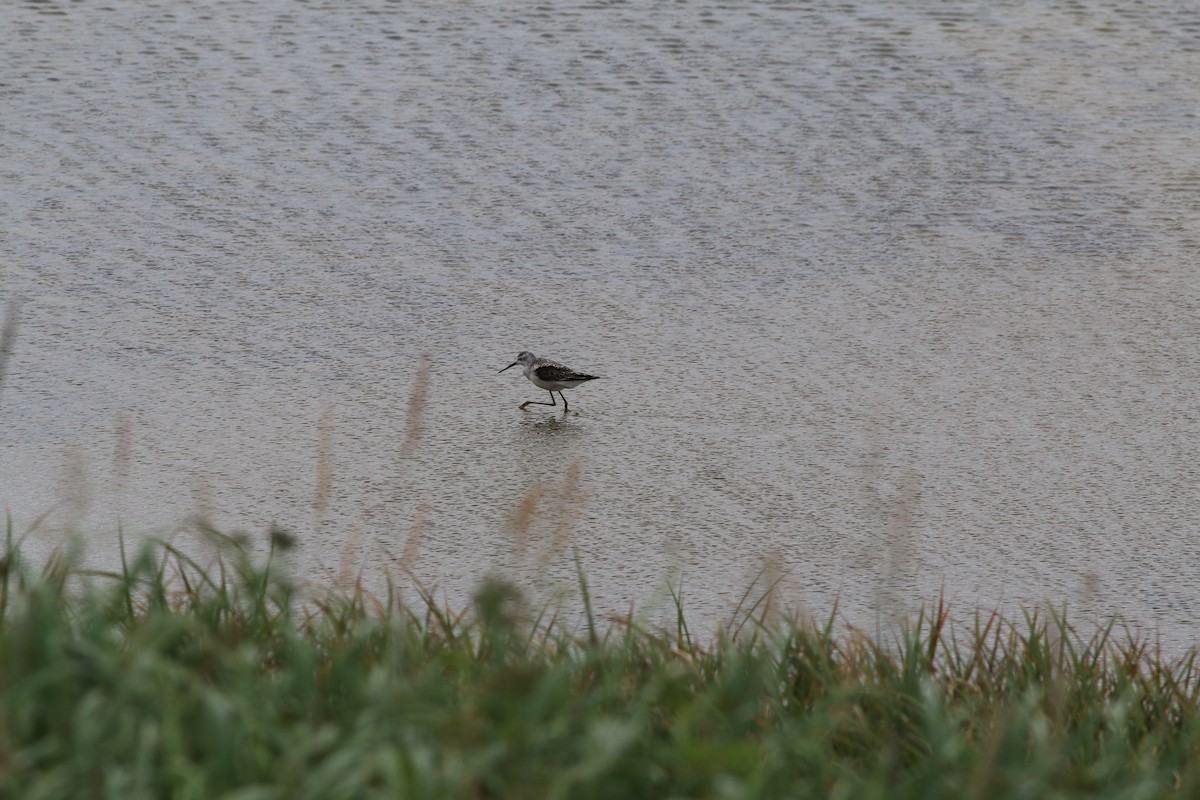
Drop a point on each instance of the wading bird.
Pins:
(549, 375)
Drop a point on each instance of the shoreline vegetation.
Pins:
(171, 678)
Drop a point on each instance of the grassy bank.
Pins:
(174, 679)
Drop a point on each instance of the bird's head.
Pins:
(525, 358)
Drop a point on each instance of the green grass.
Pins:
(172, 680)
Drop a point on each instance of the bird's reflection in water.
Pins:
(546, 445)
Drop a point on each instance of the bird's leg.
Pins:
(564, 397)
(552, 402)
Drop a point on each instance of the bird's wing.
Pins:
(557, 372)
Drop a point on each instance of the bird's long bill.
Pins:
(509, 366)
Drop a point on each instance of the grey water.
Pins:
(893, 299)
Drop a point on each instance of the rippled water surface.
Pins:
(889, 300)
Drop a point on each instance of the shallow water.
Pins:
(890, 301)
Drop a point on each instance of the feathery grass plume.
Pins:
(416, 406)
(412, 542)
(570, 502)
(350, 563)
(75, 488)
(545, 518)
(122, 448)
(8, 336)
(524, 515)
